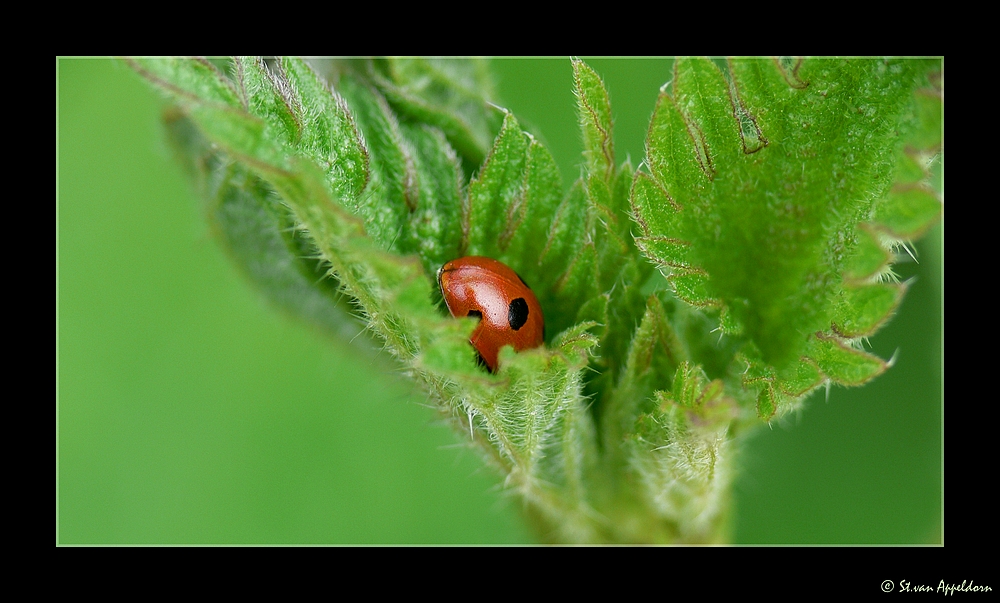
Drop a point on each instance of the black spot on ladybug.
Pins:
(517, 313)
(475, 313)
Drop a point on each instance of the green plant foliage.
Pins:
(758, 178)
(450, 95)
(766, 200)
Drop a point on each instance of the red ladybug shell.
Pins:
(508, 310)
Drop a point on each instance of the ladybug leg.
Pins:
(482, 361)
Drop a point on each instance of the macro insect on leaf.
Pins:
(674, 306)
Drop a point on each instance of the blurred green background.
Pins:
(189, 411)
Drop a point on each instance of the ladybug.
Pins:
(507, 309)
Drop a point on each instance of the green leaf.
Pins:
(567, 263)
(189, 80)
(575, 343)
(843, 364)
(767, 403)
(908, 213)
(594, 109)
(929, 117)
(656, 212)
(860, 311)
(268, 98)
(691, 387)
(679, 457)
(452, 95)
(802, 379)
(496, 195)
(607, 188)
(392, 192)
(540, 197)
(758, 229)
(329, 136)
(693, 288)
(213, 103)
(654, 354)
(435, 230)
(261, 237)
(868, 258)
